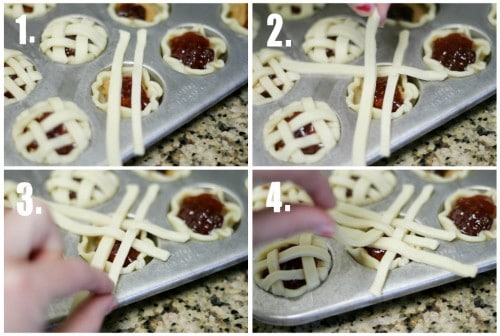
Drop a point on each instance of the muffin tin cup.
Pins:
(438, 102)
(347, 285)
(184, 96)
(188, 261)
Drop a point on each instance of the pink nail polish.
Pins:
(365, 8)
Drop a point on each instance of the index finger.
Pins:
(314, 182)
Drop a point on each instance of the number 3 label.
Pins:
(25, 208)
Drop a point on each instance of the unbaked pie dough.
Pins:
(302, 132)
(270, 81)
(405, 96)
(10, 195)
(337, 39)
(362, 187)
(73, 39)
(295, 11)
(118, 243)
(138, 15)
(409, 15)
(293, 266)
(394, 239)
(15, 10)
(442, 175)
(449, 204)
(229, 214)
(20, 76)
(481, 49)
(235, 15)
(82, 188)
(216, 44)
(52, 132)
(151, 92)
(291, 193)
(492, 15)
(163, 175)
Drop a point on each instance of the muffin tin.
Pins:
(438, 102)
(188, 261)
(184, 96)
(347, 286)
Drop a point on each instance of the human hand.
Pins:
(35, 275)
(268, 225)
(366, 9)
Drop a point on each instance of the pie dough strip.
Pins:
(100, 220)
(114, 102)
(387, 259)
(142, 36)
(368, 92)
(130, 235)
(432, 259)
(392, 81)
(106, 244)
(358, 70)
(424, 230)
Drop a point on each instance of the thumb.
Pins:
(268, 225)
(89, 315)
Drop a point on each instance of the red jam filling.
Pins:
(454, 51)
(472, 215)
(55, 132)
(130, 10)
(202, 213)
(192, 50)
(131, 256)
(300, 133)
(70, 51)
(378, 100)
(126, 94)
(27, 8)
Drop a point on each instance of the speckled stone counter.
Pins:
(467, 305)
(468, 140)
(218, 137)
(217, 303)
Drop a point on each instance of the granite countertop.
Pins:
(217, 137)
(468, 140)
(217, 303)
(467, 305)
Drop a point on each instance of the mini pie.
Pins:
(151, 92)
(456, 51)
(337, 39)
(20, 76)
(73, 39)
(52, 132)
(295, 11)
(138, 15)
(385, 240)
(118, 243)
(293, 266)
(474, 210)
(302, 132)
(405, 96)
(492, 15)
(191, 51)
(163, 175)
(235, 15)
(10, 195)
(442, 175)
(15, 10)
(362, 187)
(203, 213)
(291, 193)
(408, 15)
(270, 81)
(82, 188)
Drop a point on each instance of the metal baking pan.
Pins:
(188, 261)
(438, 103)
(184, 96)
(347, 286)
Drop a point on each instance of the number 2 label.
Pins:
(276, 21)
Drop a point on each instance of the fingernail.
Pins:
(326, 231)
(363, 9)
